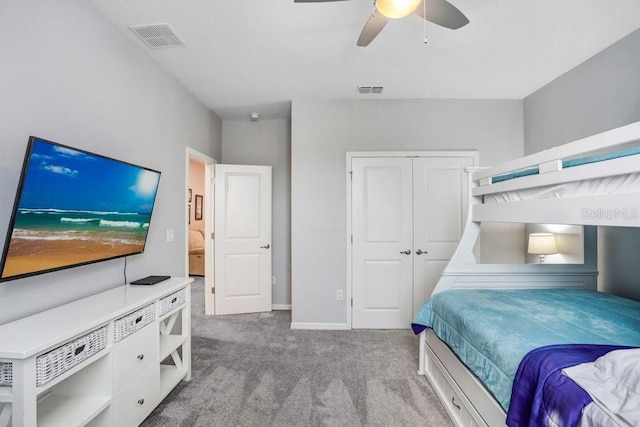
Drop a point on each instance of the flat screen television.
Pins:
(73, 208)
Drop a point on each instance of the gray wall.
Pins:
(268, 142)
(69, 76)
(600, 94)
(321, 134)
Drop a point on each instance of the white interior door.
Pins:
(382, 243)
(440, 200)
(242, 239)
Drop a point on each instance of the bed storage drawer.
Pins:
(449, 377)
(458, 407)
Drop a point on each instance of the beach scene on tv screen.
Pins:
(77, 208)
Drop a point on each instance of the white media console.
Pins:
(104, 360)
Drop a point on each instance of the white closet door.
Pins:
(440, 201)
(382, 233)
(407, 216)
(242, 239)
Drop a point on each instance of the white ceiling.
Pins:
(245, 56)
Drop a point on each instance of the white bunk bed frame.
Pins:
(465, 399)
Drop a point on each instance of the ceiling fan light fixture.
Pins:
(396, 8)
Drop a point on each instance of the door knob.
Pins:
(267, 246)
(407, 252)
(420, 252)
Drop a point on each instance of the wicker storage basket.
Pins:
(65, 357)
(6, 373)
(125, 326)
(172, 301)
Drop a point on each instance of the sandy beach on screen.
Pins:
(59, 253)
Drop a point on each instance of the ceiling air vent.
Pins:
(157, 35)
(370, 89)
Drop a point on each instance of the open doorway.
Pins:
(199, 224)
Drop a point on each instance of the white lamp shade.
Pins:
(542, 244)
(396, 8)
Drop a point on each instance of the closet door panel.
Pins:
(426, 275)
(382, 233)
(440, 200)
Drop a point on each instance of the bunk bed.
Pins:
(551, 319)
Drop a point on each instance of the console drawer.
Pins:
(6, 373)
(132, 322)
(134, 355)
(137, 400)
(172, 301)
(59, 360)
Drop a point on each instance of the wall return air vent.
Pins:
(157, 35)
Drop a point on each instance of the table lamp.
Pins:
(542, 244)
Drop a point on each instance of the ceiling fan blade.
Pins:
(442, 12)
(372, 28)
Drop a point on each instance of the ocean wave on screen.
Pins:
(80, 220)
(119, 224)
(40, 235)
(104, 222)
(70, 235)
(54, 211)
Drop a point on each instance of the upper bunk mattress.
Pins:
(596, 186)
(492, 330)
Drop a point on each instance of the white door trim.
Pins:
(208, 223)
(355, 154)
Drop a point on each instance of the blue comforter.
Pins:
(492, 330)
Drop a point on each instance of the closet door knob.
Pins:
(267, 246)
(420, 252)
(407, 252)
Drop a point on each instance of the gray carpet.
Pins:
(252, 370)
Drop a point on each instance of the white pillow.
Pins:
(622, 366)
(613, 381)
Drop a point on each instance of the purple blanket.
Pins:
(541, 393)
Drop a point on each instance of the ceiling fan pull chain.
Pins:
(424, 21)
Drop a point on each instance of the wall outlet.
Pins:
(339, 295)
(170, 235)
(273, 280)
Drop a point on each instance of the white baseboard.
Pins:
(320, 326)
(281, 307)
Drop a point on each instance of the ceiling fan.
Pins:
(439, 12)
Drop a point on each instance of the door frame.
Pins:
(348, 177)
(208, 209)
